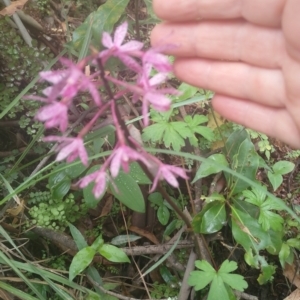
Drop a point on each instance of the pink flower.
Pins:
(169, 173)
(100, 179)
(54, 114)
(122, 156)
(157, 60)
(70, 148)
(67, 83)
(124, 51)
(147, 88)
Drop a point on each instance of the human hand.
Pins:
(248, 52)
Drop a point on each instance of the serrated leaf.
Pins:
(163, 215)
(154, 133)
(113, 253)
(275, 179)
(206, 132)
(174, 135)
(207, 168)
(235, 281)
(199, 279)
(227, 266)
(195, 120)
(218, 279)
(269, 219)
(127, 191)
(211, 219)
(193, 124)
(205, 266)
(81, 261)
(217, 288)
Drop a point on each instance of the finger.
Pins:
(266, 13)
(271, 121)
(234, 40)
(291, 28)
(238, 80)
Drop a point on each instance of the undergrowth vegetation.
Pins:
(142, 191)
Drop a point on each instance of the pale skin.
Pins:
(247, 51)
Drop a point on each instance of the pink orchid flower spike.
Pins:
(123, 52)
(54, 114)
(122, 156)
(99, 178)
(67, 83)
(168, 173)
(70, 148)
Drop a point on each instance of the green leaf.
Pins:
(58, 176)
(174, 135)
(235, 281)
(234, 142)
(217, 288)
(275, 179)
(193, 124)
(283, 167)
(170, 228)
(137, 173)
(59, 190)
(248, 232)
(124, 239)
(167, 276)
(156, 198)
(266, 275)
(80, 261)
(245, 161)
(163, 215)
(211, 219)
(207, 168)
(127, 191)
(102, 20)
(98, 243)
(154, 133)
(267, 218)
(88, 195)
(59, 182)
(74, 169)
(78, 237)
(284, 253)
(294, 243)
(188, 91)
(219, 280)
(113, 253)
